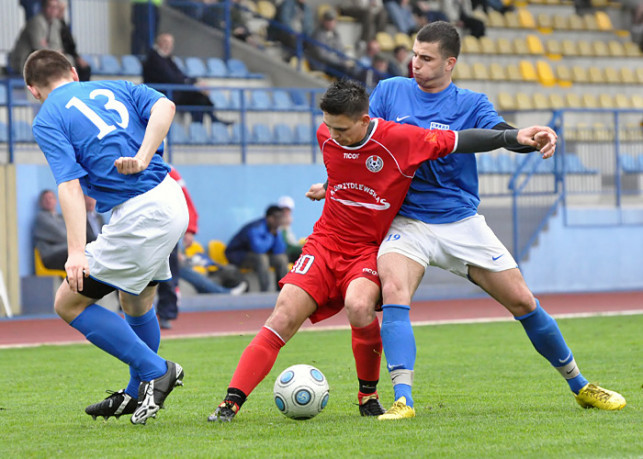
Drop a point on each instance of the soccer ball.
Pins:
(301, 392)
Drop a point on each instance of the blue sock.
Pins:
(147, 328)
(398, 342)
(546, 337)
(108, 331)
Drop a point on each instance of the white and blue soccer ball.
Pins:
(301, 392)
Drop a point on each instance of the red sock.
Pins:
(256, 361)
(367, 350)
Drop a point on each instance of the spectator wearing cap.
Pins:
(259, 245)
(293, 247)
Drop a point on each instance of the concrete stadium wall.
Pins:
(566, 258)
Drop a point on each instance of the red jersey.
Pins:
(367, 183)
(194, 216)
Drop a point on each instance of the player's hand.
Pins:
(128, 165)
(542, 138)
(317, 192)
(77, 269)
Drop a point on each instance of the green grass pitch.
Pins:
(480, 391)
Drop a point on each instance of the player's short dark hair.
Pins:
(273, 209)
(443, 33)
(44, 66)
(345, 97)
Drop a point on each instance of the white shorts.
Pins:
(450, 246)
(134, 247)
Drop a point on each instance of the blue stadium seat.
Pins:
(131, 65)
(4, 135)
(303, 133)
(216, 68)
(261, 134)
(573, 165)
(22, 132)
(283, 135)
(220, 134)
(236, 133)
(640, 158)
(282, 100)
(505, 164)
(195, 68)
(300, 99)
(545, 166)
(486, 164)
(3, 94)
(219, 99)
(238, 69)
(258, 99)
(180, 64)
(198, 134)
(177, 134)
(235, 100)
(630, 164)
(109, 65)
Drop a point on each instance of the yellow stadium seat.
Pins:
(487, 46)
(545, 73)
(216, 251)
(513, 73)
(632, 49)
(569, 48)
(191, 251)
(41, 270)
(506, 101)
(541, 102)
(584, 48)
(402, 39)
(603, 21)
(386, 41)
(575, 22)
(560, 22)
(595, 75)
(523, 101)
(573, 100)
(554, 50)
(528, 71)
(266, 9)
(526, 19)
(622, 101)
(616, 48)
(497, 72)
(589, 100)
(462, 71)
(556, 101)
(479, 71)
(612, 76)
(545, 23)
(639, 74)
(563, 75)
(606, 101)
(496, 19)
(600, 49)
(590, 22)
(511, 20)
(579, 74)
(627, 76)
(534, 45)
(470, 45)
(520, 46)
(504, 46)
(637, 101)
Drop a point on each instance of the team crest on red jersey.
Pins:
(374, 163)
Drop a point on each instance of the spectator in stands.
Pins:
(159, 68)
(635, 9)
(294, 17)
(190, 271)
(31, 7)
(460, 13)
(401, 60)
(95, 220)
(49, 232)
(326, 56)
(370, 14)
(145, 21)
(42, 31)
(293, 247)
(259, 245)
(427, 11)
(69, 47)
(401, 14)
(381, 70)
(497, 5)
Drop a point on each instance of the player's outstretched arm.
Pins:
(542, 138)
(162, 114)
(481, 140)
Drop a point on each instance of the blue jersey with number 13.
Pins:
(82, 128)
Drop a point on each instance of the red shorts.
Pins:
(325, 274)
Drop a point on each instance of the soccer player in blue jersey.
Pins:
(104, 139)
(438, 224)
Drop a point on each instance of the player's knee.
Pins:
(395, 291)
(361, 311)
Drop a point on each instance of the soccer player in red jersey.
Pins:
(370, 164)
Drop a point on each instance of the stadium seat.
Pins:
(470, 45)
(281, 100)
(589, 100)
(131, 65)
(534, 45)
(3, 94)
(22, 132)
(497, 72)
(639, 74)
(627, 75)
(495, 19)
(554, 49)
(595, 75)
(545, 73)
(283, 135)
(216, 68)
(520, 46)
(575, 22)
(606, 101)
(511, 20)
(504, 46)
(177, 134)
(216, 252)
(486, 163)
(573, 100)
(261, 134)
(603, 21)
(300, 99)
(237, 130)
(569, 48)
(559, 22)
(637, 101)
(612, 75)
(303, 134)
(238, 69)
(563, 75)
(505, 164)
(541, 102)
(528, 71)
(403, 39)
(180, 63)
(545, 166)
(266, 9)
(523, 101)
(220, 134)
(556, 101)
(601, 49)
(4, 134)
(109, 65)
(622, 101)
(219, 99)
(630, 164)
(526, 19)
(479, 71)
(386, 41)
(506, 101)
(616, 48)
(584, 48)
(195, 68)
(544, 22)
(579, 74)
(590, 22)
(41, 270)
(462, 71)
(632, 49)
(487, 45)
(574, 165)
(513, 72)
(258, 99)
(234, 99)
(198, 134)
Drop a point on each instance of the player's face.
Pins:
(431, 71)
(345, 130)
